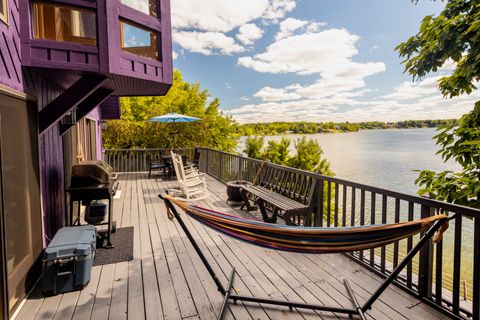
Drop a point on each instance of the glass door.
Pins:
(20, 196)
(3, 277)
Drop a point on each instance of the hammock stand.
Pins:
(439, 225)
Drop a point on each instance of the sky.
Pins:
(309, 60)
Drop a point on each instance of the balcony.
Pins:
(75, 38)
(166, 278)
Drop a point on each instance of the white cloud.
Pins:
(290, 25)
(207, 43)
(221, 17)
(244, 98)
(339, 110)
(449, 65)
(174, 55)
(273, 94)
(277, 9)
(413, 90)
(248, 33)
(328, 53)
(324, 52)
(417, 101)
(216, 15)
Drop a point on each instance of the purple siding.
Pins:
(10, 65)
(110, 108)
(129, 74)
(51, 166)
(96, 114)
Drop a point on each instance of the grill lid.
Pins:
(92, 172)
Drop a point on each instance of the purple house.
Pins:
(63, 65)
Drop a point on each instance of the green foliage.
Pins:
(462, 144)
(309, 157)
(134, 131)
(454, 34)
(274, 128)
(277, 152)
(308, 153)
(254, 146)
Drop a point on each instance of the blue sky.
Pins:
(308, 60)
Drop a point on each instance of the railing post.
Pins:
(425, 265)
(207, 168)
(220, 176)
(476, 269)
(319, 212)
(240, 167)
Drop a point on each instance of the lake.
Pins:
(387, 159)
(381, 158)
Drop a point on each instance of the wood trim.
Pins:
(15, 93)
(68, 100)
(4, 17)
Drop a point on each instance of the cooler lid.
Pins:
(70, 242)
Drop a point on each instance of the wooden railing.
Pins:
(445, 275)
(137, 160)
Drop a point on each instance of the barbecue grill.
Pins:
(93, 180)
(93, 172)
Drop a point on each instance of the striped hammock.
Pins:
(308, 240)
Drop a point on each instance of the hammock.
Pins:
(309, 240)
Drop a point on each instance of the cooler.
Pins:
(68, 259)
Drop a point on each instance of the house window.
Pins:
(62, 23)
(146, 6)
(138, 40)
(4, 10)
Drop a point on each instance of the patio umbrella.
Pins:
(174, 118)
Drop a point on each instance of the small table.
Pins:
(95, 192)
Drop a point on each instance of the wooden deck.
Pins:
(166, 279)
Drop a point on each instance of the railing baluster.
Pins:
(335, 219)
(476, 269)
(395, 245)
(352, 209)
(372, 221)
(362, 215)
(344, 206)
(457, 255)
(319, 215)
(409, 245)
(383, 249)
(329, 202)
(439, 272)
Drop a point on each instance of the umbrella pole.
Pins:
(174, 135)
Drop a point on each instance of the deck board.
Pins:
(167, 280)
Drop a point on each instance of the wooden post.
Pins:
(425, 265)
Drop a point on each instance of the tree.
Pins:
(277, 152)
(454, 34)
(254, 147)
(134, 131)
(309, 157)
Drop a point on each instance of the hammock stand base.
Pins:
(358, 310)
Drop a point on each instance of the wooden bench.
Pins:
(282, 192)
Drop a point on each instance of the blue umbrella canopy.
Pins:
(174, 117)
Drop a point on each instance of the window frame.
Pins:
(123, 21)
(71, 7)
(4, 17)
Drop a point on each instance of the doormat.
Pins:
(122, 241)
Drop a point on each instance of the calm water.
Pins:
(381, 158)
(387, 159)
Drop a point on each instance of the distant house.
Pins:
(63, 65)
